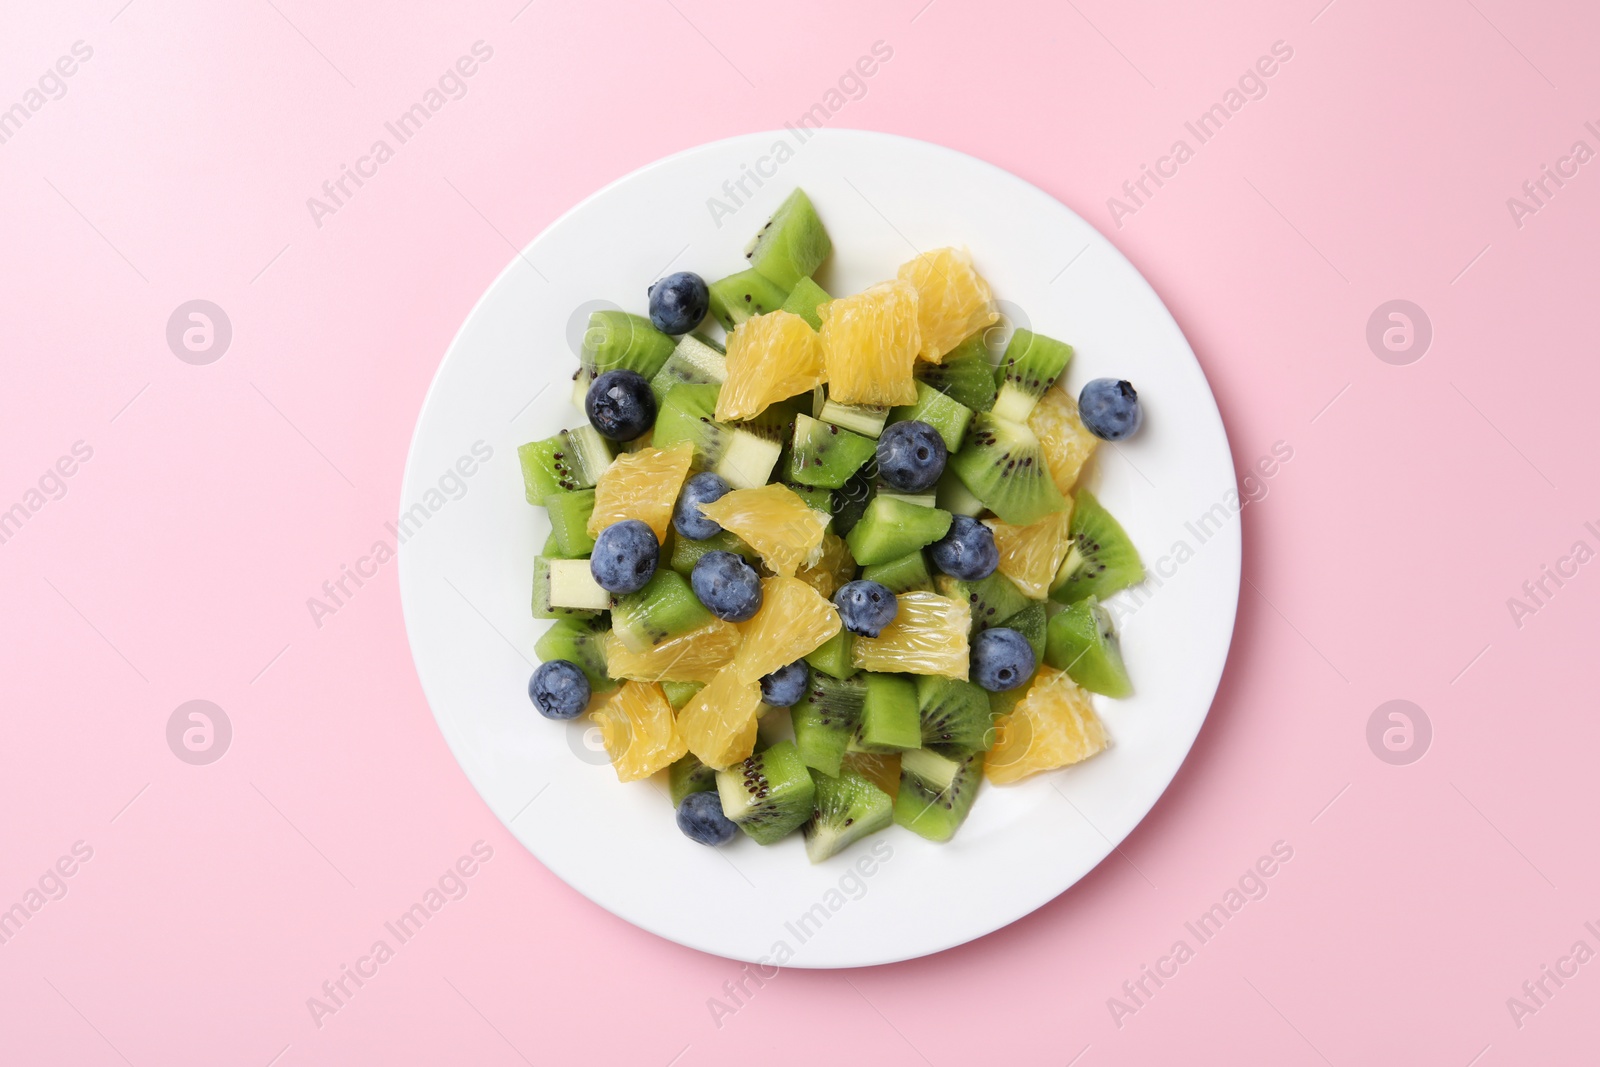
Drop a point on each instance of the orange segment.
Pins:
(696, 656)
(794, 619)
(774, 521)
(870, 342)
(1031, 555)
(639, 731)
(770, 358)
(1054, 725)
(641, 485)
(1067, 444)
(719, 722)
(928, 636)
(953, 300)
(832, 568)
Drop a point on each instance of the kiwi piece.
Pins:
(566, 587)
(739, 296)
(844, 809)
(805, 299)
(552, 548)
(680, 693)
(1101, 561)
(769, 794)
(568, 461)
(686, 552)
(1083, 642)
(936, 791)
(832, 657)
(903, 575)
(666, 607)
(688, 775)
(965, 375)
(992, 599)
(1032, 623)
(826, 719)
(569, 521)
(890, 721)
(582, 641)
(921, 500)
(1003, 465)
(696, 361)
(955, 714)
(823, 455)
(818, 500)
(850, 503)
(949, 417)
(744, 459)
(952, 496)
(891, 528)
(617, 340)
(793, 243)
(1031, 364)
(865, 419)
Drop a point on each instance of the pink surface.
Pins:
(176, 561)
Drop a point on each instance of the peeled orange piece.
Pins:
(928, 636)
(833, 566)
(640, 733)
(773, 520)
(696, 656)
(794, 619)
(641, 485)
(870, 342)
(719, 722)
(1054, 725)
(1031, 555)
(1067, 444)
(770, 358)
(953, 300)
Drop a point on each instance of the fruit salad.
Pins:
(824, 562)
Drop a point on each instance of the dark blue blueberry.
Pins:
(1001, 659)
(911, 456)
(786, 685)
(728, 586)
(620, 405)
(678, 302)
(967, 552)
(703, 488)
(865, 607)
(625, 556)
(700, 818)
(1110, 409)
(559, 689)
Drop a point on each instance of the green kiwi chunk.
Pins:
(954, 714)
(743, 458)
(844, 809)
(1003, 465)
(618, 340)
(581, 641)
(696, 361)
(564, 463)
(823, 455)
(569, 521)
(903, 575)
(948, 417)
(953, 496)
(826, 719)
(805, 299)
(832, 657)
(890, 528)
(1032, 623)
(1030, 364)
(768, 795)
(936, 791)
(680, 693)
(793, 243)
(739, 296)
(546, 604)
(1083, 642)
(992, 599)
(687, 776)
(686, 552)
(890, 721)
(665, 608)
(1101, 561)
(865, 419)
(965, 375)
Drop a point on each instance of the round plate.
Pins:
(470, 539)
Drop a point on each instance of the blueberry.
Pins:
(728, 586)
(911, 456)
(865, 607)
(559, 689)
(700, 818)
(703, 488)
(967, 552)
(620, 405)
(625, 556)
(786, 685)
(678, 302)
(1001, 659)
(1110, 409)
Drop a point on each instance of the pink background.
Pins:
(218, 498)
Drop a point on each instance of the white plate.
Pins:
(466, 566)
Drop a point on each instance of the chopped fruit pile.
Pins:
(837, 573)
